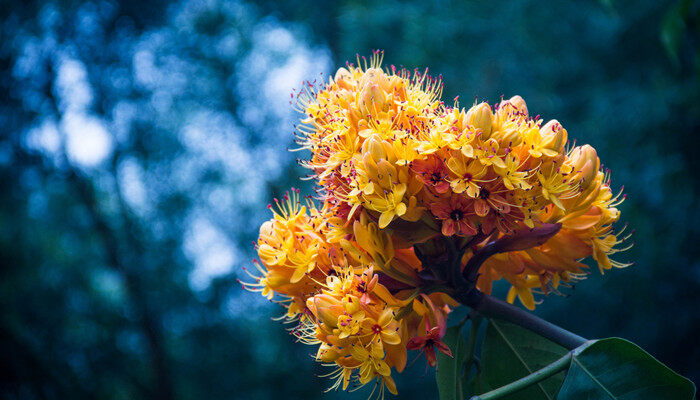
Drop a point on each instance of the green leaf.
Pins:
(511, 352)
(476, 385)
(449, 369)
(618, 369)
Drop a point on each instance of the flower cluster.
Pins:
(399, 172)
(364, 322)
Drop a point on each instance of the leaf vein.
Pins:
(512, 348)
(593, 378)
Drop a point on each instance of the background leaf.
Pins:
(511, 352)
(618, 369)
(449, 370)
(672, 30)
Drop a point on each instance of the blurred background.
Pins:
(140, 143)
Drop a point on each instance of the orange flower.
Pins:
(432, 173)
(428, 343)
(491, 197)
(454, 212)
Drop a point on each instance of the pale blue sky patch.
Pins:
(211, 252)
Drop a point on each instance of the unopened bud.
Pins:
(372, 75)
(267, 228)
(585, 160)
(343, 78)
(397, 86)
(554, 136)
(372, 99)
(481, 117)
(343, 74)
(325, 308)
(373, 147)
(519, 104)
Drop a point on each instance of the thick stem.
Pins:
(535, 377)
(492, 307)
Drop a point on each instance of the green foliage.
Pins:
(449, 376)
(603, 369)
(510, 352)
(618, 369)
(674, 27)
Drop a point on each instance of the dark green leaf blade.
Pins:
(511, 352)
(449, 369)
(615, 368)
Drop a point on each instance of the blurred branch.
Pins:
(149, 324)
(110, 240)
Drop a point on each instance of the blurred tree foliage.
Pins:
(141, 141)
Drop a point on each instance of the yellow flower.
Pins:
(384, 328)
(350, 324)
(513, 174)
(466, 175)
(487, 152)
(372, 363)
(522, 289)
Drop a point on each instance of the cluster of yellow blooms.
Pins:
(397, 169)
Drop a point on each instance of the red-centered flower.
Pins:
(492, 197)
(454, 214)
(433, 173)
(429, 343)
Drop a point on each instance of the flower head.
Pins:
(397, 171)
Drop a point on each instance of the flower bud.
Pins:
(398, 87)
(513, 107)
(481, 117)
(343, 78)
(554, 136)
(342, 73)
(586, 162)
(373, 147)
(267, 228)
(372, 99)
(325, 308)
(518, 104)
(385, 82)
(371, 76)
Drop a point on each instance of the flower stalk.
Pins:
(492, 307)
